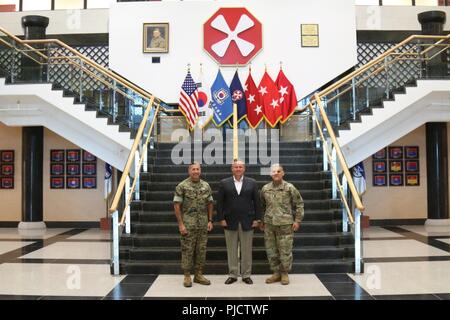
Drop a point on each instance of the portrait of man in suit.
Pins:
(239, 212)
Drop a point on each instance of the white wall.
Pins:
(61, 21)
(390, 18)
(399, 202)
(58, 204)
(307, 68)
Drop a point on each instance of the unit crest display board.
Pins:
(396, 166)
(6, 169)
(72, 169)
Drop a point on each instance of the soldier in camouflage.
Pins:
(193, 204)
(280, 201)
(157, 40)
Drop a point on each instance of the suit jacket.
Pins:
(234, 208)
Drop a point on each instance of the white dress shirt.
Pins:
(238, 184)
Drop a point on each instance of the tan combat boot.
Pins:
(274, 278)
(187, 280)
(199, 278)
(284, 278)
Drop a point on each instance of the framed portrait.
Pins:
(412, 152)
(380, 154)
(155, 38)
(57, 155)
(7, 156)
(56, 182)
(412, 179)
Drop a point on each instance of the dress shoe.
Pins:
(230, 280)
(247, 280)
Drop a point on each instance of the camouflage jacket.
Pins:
(194, 198)
(280, 203)
(158, 43)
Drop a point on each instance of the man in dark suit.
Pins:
(239, 211)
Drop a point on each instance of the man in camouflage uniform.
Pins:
(193, 204)
(280, 200)
(157, 41)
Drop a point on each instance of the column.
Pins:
(33, 138)
(32, 180)
(432, 23)
(437, 173)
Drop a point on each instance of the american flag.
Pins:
(189, 100)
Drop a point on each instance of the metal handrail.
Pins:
(330, 161)
(93, 64)
(108, 74)
(380, 58)
(144, 151)
(317, 99)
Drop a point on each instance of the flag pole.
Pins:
(235, 128)
(235, 132)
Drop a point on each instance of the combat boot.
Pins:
(187, 280)
(274, 278)
(199, 278)
(284, 278)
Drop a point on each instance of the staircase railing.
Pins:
(53, 61)
(417, 57)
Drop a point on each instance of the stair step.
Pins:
(168, 205)
(167, 216)
(282, 160)
(168, 195)
(226, 168)
(247, 152)
(299, 184)
(215, 253)
(281, 144)
(221, 267)
(218, 239)
(172, 227)
(164, 177)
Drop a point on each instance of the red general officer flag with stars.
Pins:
(254, 105)
(270, 98)
(288, 98)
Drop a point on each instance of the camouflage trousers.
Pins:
(279, 241)
(193, 249)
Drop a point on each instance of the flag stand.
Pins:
(235, 132)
